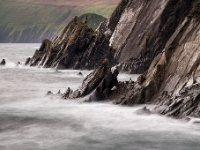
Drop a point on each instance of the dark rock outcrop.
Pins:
(49, 93)
(80, 74)
(97, 84)
(77, 47)
(27, 61)
(143, 30)
(3, 62)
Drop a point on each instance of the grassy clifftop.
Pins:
(28, 22)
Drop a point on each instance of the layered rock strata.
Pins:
(172, 81)
(78, 47)
(136, 32)
(143, 30)
(97, 84)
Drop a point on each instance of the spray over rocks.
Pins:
(157, 39)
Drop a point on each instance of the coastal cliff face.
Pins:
(135, 33)
(172, 81)
(143, 30)
(160, 39)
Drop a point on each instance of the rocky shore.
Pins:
(158, 39)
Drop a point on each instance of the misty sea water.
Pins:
(29, 120)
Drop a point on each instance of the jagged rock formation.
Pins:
(172, 81)
(160, 38)
(136, 32)
(77, 47)
(143, 30)
(97, 84)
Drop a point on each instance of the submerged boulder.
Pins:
(143, 111)
(80, 74)
(49, 93)
(3, 62)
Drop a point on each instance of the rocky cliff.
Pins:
(172, 81)
(159, 38)
(136, 32)
(143, 30)
(78, 47)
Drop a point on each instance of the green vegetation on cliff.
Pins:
(27, 22)
(93, 19)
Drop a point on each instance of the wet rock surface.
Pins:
(97, 84)
(27, 61)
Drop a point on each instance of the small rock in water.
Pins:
(195, 121)
(58, 92)
(67, 93)
(27, 61)
(80, 74)
(18, 63)
(3, 62)
(49, 93)
(144, 111)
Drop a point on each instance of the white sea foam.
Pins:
(31, 120)
(127, 77)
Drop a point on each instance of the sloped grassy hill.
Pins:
(28, 22)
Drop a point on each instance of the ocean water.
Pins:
(29, 120)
